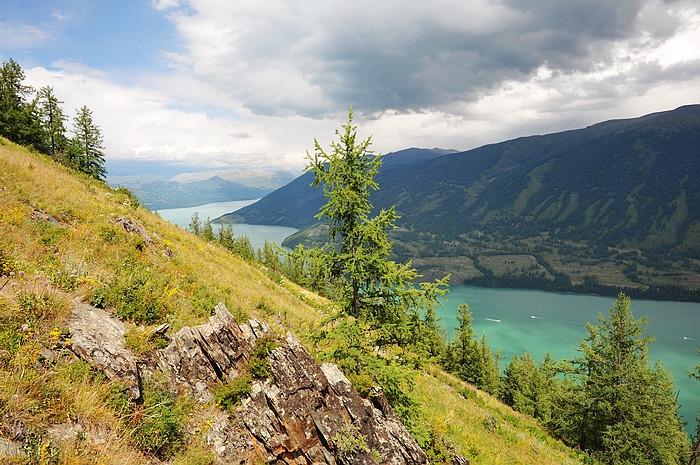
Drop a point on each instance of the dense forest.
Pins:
(35, 119)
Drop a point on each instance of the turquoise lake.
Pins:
(257, 234)
(516, 320)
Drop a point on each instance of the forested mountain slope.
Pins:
(616, 203)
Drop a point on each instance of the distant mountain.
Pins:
(262, 179)
(296, 203)
(159, 195)
(615, 203)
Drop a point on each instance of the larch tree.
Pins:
(86, 149)
(372, 286)
(52, 121)
(18, 121)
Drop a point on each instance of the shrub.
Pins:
(159, 421)
(230, 394)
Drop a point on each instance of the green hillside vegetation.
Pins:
(59, 242)
(67, 237)
(611, 207)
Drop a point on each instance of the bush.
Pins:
(158, 430)
(134, 297)
(230, 394)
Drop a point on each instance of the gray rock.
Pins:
(297, 416)
(99, 339)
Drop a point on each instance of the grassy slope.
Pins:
(87, 252)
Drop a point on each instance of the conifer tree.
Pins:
(18, 119)
(629, 413)
(52, 121)
(471, 359)
(372, 286)
(86, 150)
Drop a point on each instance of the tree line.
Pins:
(36, 120)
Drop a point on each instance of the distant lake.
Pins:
(257, 234)
(516, 320)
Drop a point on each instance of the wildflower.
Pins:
(25, 327)
(21, 274)
(37, 277)
(12, 273)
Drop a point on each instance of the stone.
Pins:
(299, 415)
(134, 227)
(99, 339)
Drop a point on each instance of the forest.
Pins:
(35, 119)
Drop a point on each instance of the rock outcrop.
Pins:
(304, 413)
(99, 339)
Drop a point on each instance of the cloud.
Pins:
(291, 57)
(21, 36)
(250, 84)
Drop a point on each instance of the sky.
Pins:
(216, 84)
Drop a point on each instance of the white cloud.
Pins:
(21, 36)
(251, 84)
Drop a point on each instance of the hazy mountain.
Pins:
(263, 179)
(160, 185)
(158, 195)
(625, 193)
(296, 203)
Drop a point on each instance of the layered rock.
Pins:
(303, 413)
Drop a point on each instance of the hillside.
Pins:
(69, 242)
(616, 203)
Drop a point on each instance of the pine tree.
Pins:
(372, 287)
(86, 150)
(52, 122)
(18, 117)
(630, 414)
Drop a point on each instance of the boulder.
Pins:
(99, 339)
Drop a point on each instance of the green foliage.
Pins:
(350, 441)
(158, 422)
(623, 394)
(85, 149)
(369, 285)
(258, 365)
(207, 232)
(230, 394)
(135, 296)
(470, 359)
(143, 340)
(126, 197)
(195, 225)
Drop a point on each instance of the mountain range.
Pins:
(613, 204)
(190, 189)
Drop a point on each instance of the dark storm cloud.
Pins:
(311, 58)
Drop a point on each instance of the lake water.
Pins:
(517, 320)
(257, 234)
